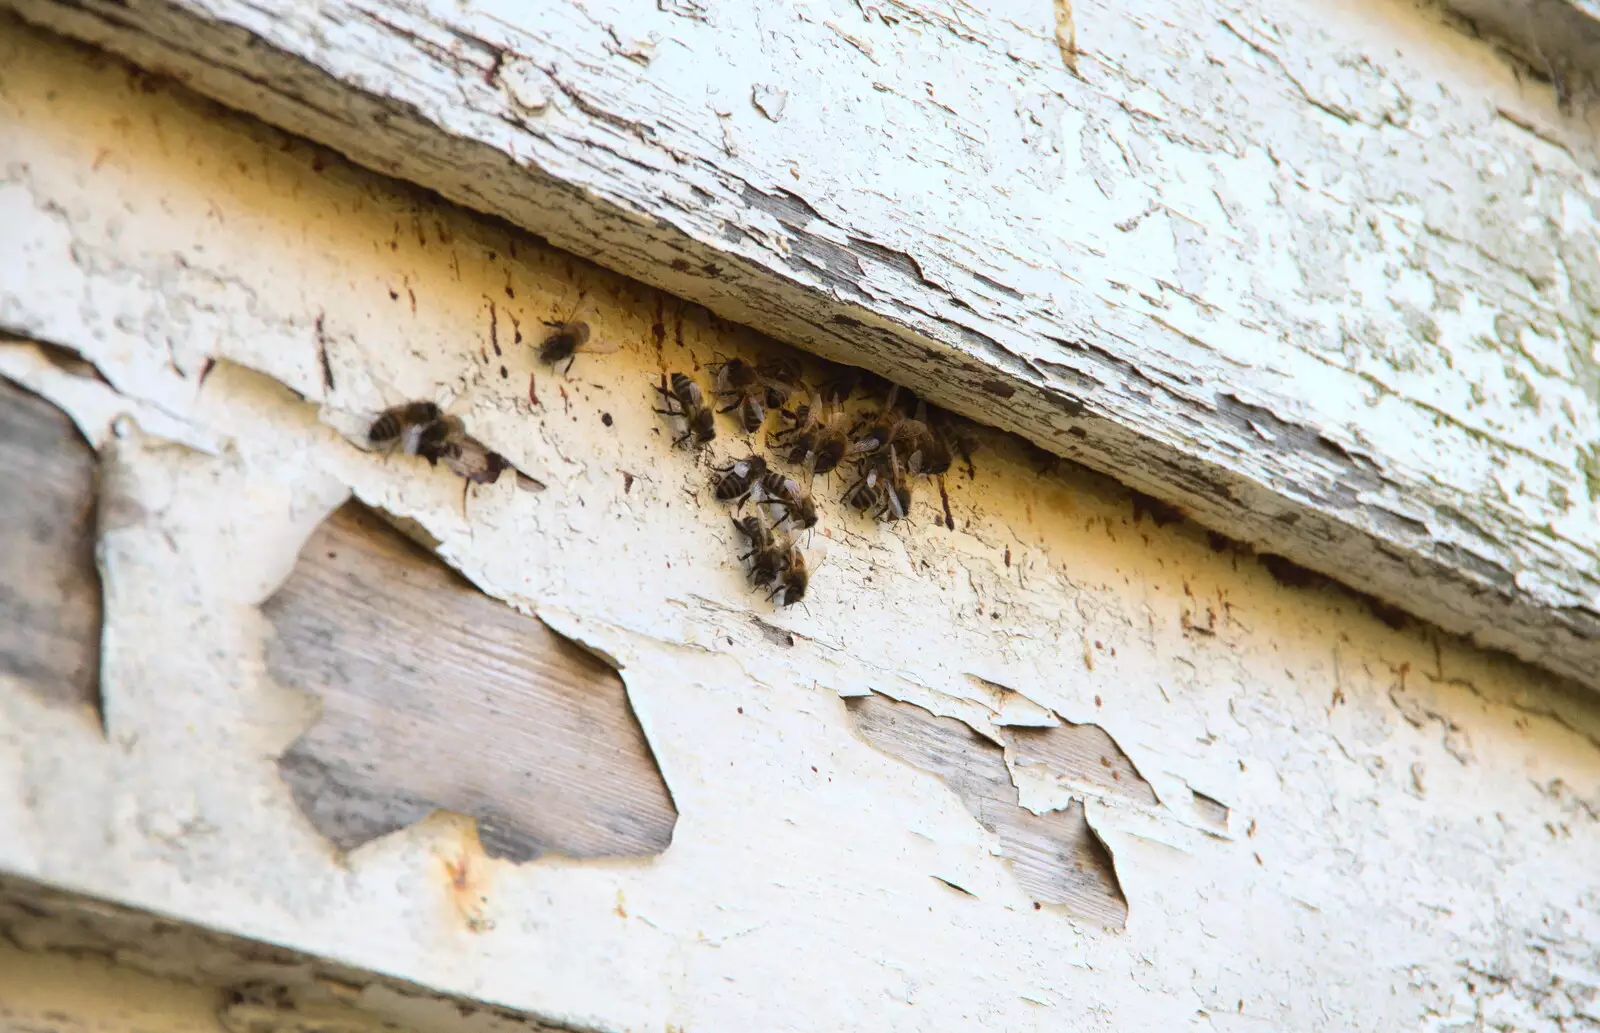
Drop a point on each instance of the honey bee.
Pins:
(741, 382)
(865, 492)
(796, 439)
(883, 487)
(768, 554)
(781, 378)
(820, 443)
(406, 427)
(467, 457)
(786, 493)
(446, 441)
(837, 389)
(699, 422)
(897, 491)
(736, 481)
(793, 580)
(873, 432)
(924, 447)
(565, 339)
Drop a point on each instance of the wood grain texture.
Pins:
(436, 697)
(1083, 754)
(1056, 857)
(1558, 39)
(50, 604)
(1216, 261)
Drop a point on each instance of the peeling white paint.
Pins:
(1324, 277)
(801, 889)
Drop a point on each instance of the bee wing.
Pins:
(601, 346)
(580, 308)
(816, 553)
(411, 439)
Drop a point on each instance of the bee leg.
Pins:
(570, 360)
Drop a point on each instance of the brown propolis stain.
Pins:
(437, 697)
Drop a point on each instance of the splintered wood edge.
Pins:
(436, 697)
(1291, 491)
(50, 598)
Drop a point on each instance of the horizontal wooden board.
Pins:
(436, 697)
(1557, 39)
(249, 984)
(1325, 281)
(50, 605)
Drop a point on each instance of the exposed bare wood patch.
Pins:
(49, 585)
(1056, 857)
(436, 697)
(1083, 754)
(1211, 810)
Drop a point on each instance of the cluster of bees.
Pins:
(886, 447)
(423, 429)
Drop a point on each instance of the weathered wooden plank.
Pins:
(1056, 857)
(50, 606)
(1558, 39)
(436, 697)
(1331, 300)
(153, 970)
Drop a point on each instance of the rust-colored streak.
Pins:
(1066, 35)
(467, 884)
(436, 697)
(1056, 857)
(50, 604)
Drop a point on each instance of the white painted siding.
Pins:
(1412, 822)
